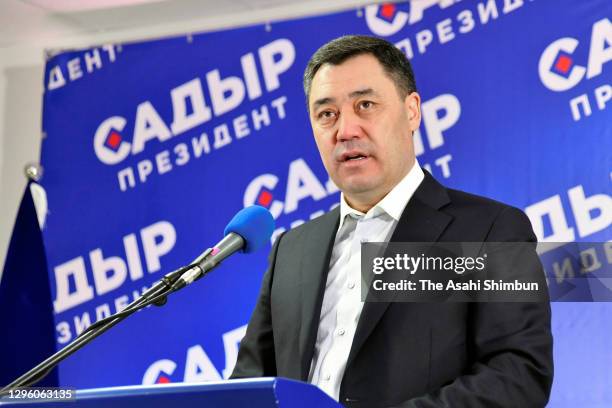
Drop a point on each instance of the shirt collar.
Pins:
(393, 203)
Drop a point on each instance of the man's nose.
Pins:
(349, 126)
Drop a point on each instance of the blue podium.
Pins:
(252, 393)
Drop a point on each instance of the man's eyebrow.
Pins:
(352, 95)
(322, 101)
(362, 92)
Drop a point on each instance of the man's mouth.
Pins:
(352, 156)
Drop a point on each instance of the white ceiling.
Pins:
(58, 23)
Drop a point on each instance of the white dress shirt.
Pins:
(342, 303)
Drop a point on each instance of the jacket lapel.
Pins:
(421, 221)
(314, 266)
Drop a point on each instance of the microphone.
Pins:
(249, 230)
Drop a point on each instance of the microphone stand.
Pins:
(155, 295)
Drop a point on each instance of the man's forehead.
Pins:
(356, 76)
(348, 71)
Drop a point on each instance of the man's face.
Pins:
(362, 127)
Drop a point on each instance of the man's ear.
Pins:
(412, 104)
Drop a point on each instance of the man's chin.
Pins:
(358, 188)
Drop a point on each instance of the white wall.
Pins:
(20, 113)
(22, 64)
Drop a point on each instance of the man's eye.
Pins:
(366, 104)
(326, 115)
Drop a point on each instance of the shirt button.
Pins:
(351, 285)
(326, 377)
(341, 332)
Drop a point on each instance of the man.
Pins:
(310, 324)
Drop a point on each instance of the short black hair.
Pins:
(335, 52)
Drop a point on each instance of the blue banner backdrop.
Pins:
(151, 147)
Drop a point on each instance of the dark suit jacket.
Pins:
(407, 354)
